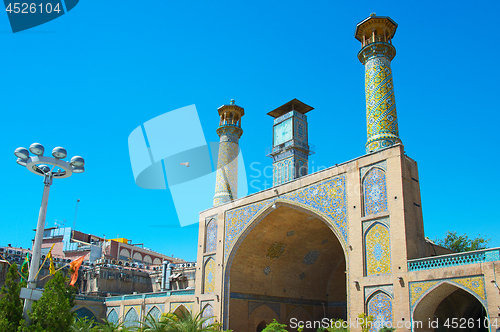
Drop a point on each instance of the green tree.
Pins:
(83, 324)
(52, 313)
(152, 324)
(11, 306)
(462, 243)
(107, 326)
(274, 326)
(185, 321)
(366, 322)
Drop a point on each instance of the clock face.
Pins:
(283, 132)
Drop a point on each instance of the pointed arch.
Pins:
(451, 298)
(113, 316)
(374, 191)
(208, 312)
(261, 326)
(131, 318)
(259, 318)
(211, 235)
(209, 275)
(181, 311)
(377, 243)
(300, 209)
(85, 312)
(301, 314)
(379, 305)
(270, 205)
(155, 312)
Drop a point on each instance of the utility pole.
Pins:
(76, 212)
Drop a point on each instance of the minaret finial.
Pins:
(375, 34)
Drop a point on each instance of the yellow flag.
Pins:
(52, 270)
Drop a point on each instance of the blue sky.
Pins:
(87, 79)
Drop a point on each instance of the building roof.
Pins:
(292, 105)
(234, 107)
(361, 25)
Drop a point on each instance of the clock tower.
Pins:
(290, 150)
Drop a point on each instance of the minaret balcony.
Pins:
(376, 49)
(292, 144)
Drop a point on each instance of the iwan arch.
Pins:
(336, 243)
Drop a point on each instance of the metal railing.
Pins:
(458, 259)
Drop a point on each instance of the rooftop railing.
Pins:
(458, 259)
(150, 295)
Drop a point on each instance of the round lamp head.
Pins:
(37, 148)
(22, 153)
(77, 161)
(44, 168)
(22, 161)
(59, 152)
(41, 169)
(78, 169)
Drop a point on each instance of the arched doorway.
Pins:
(291, 258)
(262, 325)
(449, 308)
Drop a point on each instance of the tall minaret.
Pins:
(229, 131)
(375, 34)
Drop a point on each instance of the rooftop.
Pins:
(292, 105)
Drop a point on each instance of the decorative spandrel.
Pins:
(327, 198)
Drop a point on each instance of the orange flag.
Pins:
(74, 266)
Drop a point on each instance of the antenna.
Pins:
(76, 211)
(60, 223)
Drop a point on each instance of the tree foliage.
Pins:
(274, 326)
(83, 324)
(462, 243)
(11, 306)
(366, 321)
(151, 324)
(186, 321)
(53, 311)
(107, 326)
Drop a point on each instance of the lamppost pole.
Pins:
(37, 246)
(38, 164)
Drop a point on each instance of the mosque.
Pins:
(336, 243)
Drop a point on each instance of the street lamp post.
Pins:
(38, 164)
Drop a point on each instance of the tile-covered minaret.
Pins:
(375, 34)
(229, 131)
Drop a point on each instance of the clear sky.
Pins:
(87, 79)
